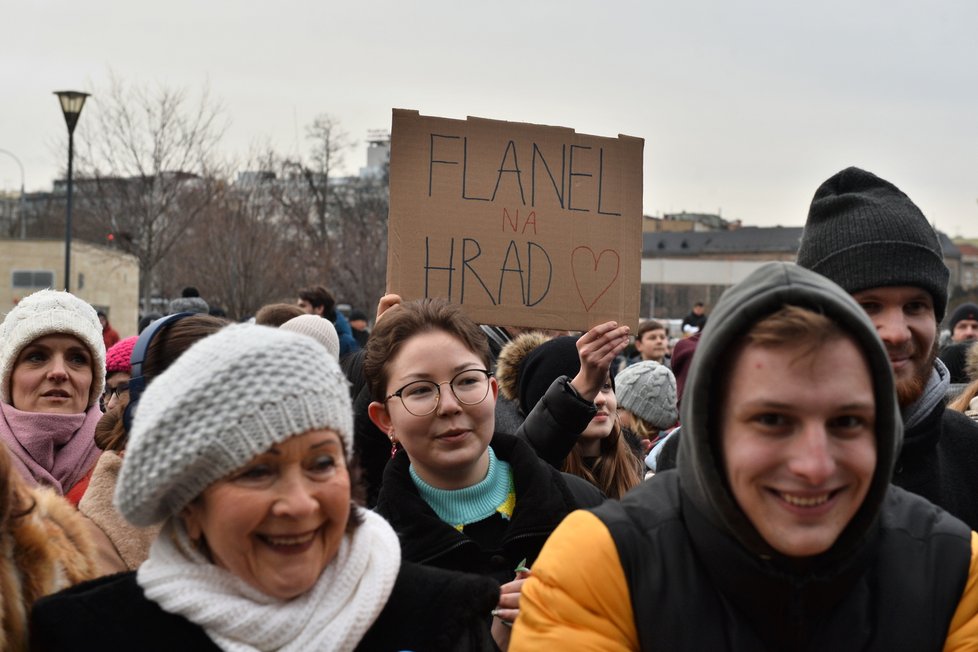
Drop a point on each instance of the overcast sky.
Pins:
(746, 106)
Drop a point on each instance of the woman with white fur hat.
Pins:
(241, 449)
(52, 372)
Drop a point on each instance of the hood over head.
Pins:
(700, 463)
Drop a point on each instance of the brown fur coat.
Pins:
(41, 552)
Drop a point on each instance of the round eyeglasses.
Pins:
(420, 398)
(116, 391)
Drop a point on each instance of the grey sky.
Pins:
(745, 106)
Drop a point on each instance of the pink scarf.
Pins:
(51, 449)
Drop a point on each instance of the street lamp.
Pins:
(71, 105)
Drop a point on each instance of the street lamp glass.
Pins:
(71, 105)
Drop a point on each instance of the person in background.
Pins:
(121, 545)
(117, 373)
(866, 235)
(459, 496)
(276, 314)
(317, 300)
(646, 394)
(241, 449)
(651, 342)
(189, 301)
(780, 530)
(358, 325)
(964, 323)
(695, 321)
(109, 335)
(572, 404)
(321, 330)
(52, 373)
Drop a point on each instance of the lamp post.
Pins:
(20, 208)
(71, 105)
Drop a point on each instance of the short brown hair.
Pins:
(276, 314)
(794, 326)
(408, 319)
(648, 326)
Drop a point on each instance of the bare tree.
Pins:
(358, 266)
(147, 170)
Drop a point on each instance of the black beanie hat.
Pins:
(543, 365)
(863, 232)
(964, 311)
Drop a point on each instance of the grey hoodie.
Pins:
(700, 464)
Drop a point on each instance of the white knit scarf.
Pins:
(333, 615)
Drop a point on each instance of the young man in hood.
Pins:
(867, 236)
(780, 529)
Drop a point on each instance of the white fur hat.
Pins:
(48, 312)
(230, 397)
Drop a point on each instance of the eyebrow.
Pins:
(325, 443)
(458, 369)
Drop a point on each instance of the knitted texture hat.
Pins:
(230, 397)
(314, 326)
(48, 312)
(964, 311)
(863, 232)
(118, 357)
(195, 305)
(543, 365)
(648, 390)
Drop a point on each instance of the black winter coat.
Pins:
(429, 609)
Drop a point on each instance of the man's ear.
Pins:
(377, 412)
(318, 310)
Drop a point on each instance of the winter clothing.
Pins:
(693, 323)
(319, 329)
(428, 609)
(964, 311)
(119, 357)
(955, 356)
(545, 360)
(345, 333)
(648, 390)
(193, 305)
(940, 452)
(205, 416)
(56, 450)
(863, 232)
(543, 497)
(110, 336)
(902, 574)
(130, 543)
(682, 357)
(45, 550)
(48, 312)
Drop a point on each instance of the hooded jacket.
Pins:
(682, 567)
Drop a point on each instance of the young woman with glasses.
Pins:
(459, 496)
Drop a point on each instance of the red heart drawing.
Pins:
(589, 271)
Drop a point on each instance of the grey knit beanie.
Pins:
(48, 312)
(230, 397)
(863, 232)
(194, 305)
(648, 390)
(314, 326)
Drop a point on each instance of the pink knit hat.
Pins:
(118, 355)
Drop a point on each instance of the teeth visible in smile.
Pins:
(290, 541)
(800, 501)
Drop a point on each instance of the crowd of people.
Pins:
(787, 475)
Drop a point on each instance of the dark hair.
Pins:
(190, 291)
(648, 326)
(170, 344)
(408, 319)
(318, 296)
(276, 314)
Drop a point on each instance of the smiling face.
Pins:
(603, 422)
(447, 448)
(905, 321)
(52, 374)
(277, 522)
(798, 441)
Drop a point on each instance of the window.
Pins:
(32, 279)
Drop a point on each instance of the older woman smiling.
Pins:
(241, 449)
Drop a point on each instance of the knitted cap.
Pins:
(229, 398)
(314, 326)
(962, 312)
(648, 390)
(45, 313)
(543, 365)
(863, 232)
(117, 358)
(195, 305)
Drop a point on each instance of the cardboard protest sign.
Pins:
(521, 224)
